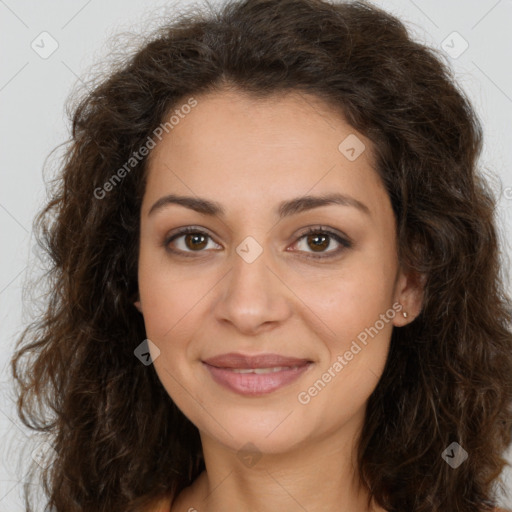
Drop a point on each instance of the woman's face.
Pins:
(248, 281)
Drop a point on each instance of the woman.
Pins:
(275, 280)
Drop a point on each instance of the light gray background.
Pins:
(33, 91)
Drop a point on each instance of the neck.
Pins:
(318, 476)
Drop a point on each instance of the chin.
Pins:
(270, 432)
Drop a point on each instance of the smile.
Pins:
(255, 375)
(262, 370)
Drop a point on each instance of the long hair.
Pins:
(120, 442)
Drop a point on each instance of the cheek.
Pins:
(169, 304)
(168, 296)
(350, 301)
(359, 312)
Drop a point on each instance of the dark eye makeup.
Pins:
(319, 235)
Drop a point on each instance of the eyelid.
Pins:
(341, 238)
(319, 228)
(179, 232)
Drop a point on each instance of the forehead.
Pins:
(242, 148)
(290, 120)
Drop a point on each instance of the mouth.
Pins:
(261, 371)
(255, 375)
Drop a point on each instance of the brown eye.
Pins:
(188, 240)
(195, 241)
(318, 240)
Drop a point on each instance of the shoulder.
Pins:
(165, 506)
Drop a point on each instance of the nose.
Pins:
(253, 298)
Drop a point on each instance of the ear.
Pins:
(137, 303)
(409, 289)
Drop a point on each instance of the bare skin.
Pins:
(292, 299)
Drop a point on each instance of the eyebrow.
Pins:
(285, 209)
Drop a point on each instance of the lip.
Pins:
(242, 361)
(233, 371)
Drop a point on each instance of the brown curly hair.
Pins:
(120, 442)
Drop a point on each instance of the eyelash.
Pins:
(344, 242)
